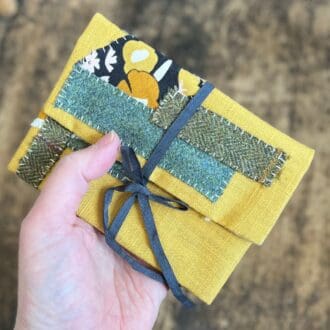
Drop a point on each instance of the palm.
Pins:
(74, 279)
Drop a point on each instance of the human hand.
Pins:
(69, 278)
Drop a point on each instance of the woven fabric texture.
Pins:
(222, 139)
(44, 151)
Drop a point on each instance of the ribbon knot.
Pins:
(135, 182)
(133, 171)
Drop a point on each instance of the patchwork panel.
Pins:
(222, 139)
(105, 107)
(156, 81)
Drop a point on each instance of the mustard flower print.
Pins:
(142, 86)
(188, 82)
(139, 56)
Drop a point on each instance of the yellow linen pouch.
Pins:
(234, 171)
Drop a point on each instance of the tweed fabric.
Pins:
(47, 147)
(105, 107)
(222, 139)
(75, 143)
(44, 151)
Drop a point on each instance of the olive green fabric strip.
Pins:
(222, 139)
(45, 149)
(75, 143)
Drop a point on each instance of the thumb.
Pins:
(68, 182)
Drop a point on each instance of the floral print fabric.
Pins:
(139, 70)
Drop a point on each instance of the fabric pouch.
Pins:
(234, 171)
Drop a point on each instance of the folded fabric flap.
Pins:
(202, 254)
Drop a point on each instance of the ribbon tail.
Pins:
(106, 202)
(120, 216)
(157, 248)
(111, 231)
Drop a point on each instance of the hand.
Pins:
(69, 278)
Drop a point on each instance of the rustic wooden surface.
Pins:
(271, 56)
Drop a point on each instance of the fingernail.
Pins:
(111, 136)
(108, 138)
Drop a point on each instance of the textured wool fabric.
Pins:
(114, 110)
(44, 151)
(202, 253)
(220, 138)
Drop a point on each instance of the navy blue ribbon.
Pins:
(135, 182)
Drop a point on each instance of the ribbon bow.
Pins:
(135, 183)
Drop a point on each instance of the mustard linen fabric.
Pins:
(205, 243)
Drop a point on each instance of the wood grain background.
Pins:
(273, 57)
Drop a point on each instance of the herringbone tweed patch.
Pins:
(45, 150)
(222, 139)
